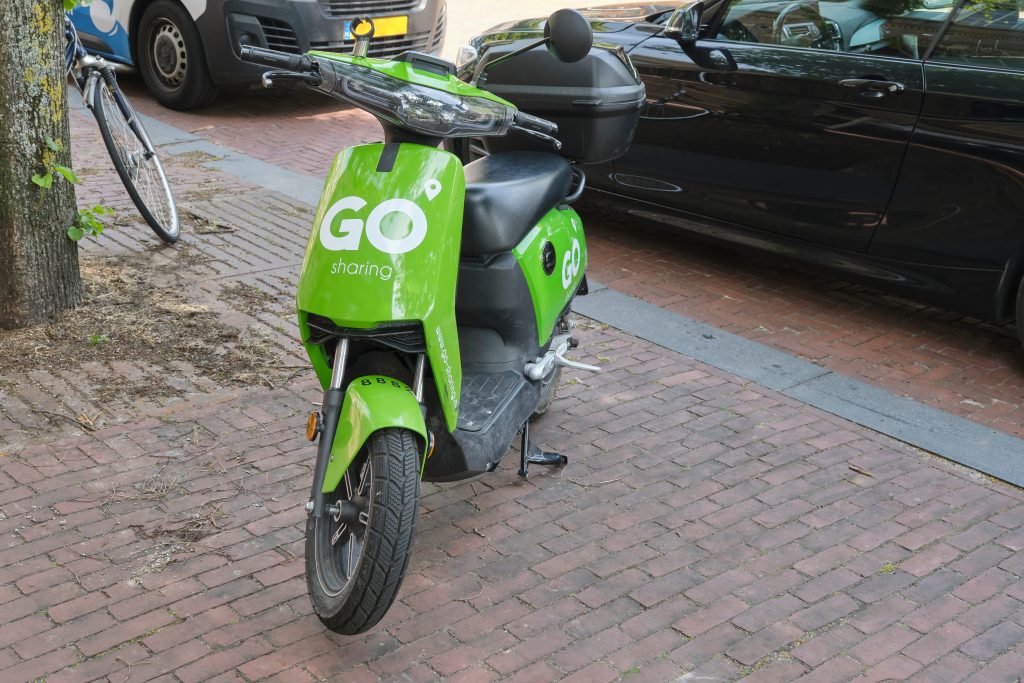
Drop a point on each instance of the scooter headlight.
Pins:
(425, 110)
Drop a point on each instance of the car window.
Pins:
(987, 33)
(895, 28)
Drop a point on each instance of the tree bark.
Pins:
(38, 261)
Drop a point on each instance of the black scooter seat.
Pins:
(506, 195)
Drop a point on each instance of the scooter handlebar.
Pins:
(275, 59)
(535, 123)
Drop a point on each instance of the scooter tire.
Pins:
(353, 601)
(549, 387)
(548, 390)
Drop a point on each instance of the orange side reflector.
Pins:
(312, 425)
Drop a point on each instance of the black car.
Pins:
(880, 138)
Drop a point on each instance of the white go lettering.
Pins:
(350, 230)
(571, 264)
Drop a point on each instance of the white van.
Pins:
(186, 49)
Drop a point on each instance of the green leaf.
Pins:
(43, 181)
(68, 174)
(76, 233)
(89, 222)
(55, 145)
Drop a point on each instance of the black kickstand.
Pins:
(529, 453)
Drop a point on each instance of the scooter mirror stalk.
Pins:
(567, 35)
(362, 29)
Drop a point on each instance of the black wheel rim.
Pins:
(339, 537)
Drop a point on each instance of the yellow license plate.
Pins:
(382, 27)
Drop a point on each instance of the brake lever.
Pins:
(314, 79)
(554, 142)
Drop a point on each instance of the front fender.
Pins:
(371, 403)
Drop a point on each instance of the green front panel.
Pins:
(385, 247)
(563, 229)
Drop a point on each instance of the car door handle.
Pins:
(873, 87)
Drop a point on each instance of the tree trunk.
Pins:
(38, 261)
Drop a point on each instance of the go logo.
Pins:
(571, 264)
(350, 230)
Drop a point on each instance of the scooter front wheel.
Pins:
(356, 558)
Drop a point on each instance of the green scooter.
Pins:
(433, 303)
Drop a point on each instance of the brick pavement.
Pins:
(704, 526)
(938, 357)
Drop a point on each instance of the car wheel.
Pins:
(171, 59)
(1020, 312)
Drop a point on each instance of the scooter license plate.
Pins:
(382, 28)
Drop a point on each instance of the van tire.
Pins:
(171, 59)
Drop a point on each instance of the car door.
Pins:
(960, 199)
(804, 136)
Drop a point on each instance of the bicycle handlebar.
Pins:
(275, 59)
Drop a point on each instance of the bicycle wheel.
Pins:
(136, 162)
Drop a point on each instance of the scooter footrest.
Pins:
(484, 395)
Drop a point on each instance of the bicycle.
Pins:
(126, 140)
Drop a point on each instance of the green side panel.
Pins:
(404, 71)
(371, 403)
(385, 248)
(564, 230)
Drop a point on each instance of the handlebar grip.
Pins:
(275, 59)
(536, 123)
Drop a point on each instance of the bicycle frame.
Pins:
(85, 68)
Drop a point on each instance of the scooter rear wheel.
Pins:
(549, 386)
(354, 569)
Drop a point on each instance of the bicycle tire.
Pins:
(137, 165)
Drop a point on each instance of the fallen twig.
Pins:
(860, 470)
(130, 665)
(78, 422)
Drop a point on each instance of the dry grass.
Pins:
(136, 315)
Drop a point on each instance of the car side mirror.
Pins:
(683, 24)
(568, 36)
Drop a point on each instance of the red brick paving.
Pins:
(704, 525)
(585, 572)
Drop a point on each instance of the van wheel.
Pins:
(171, 59)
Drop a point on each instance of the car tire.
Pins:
(171, 58)
(1020, 313)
